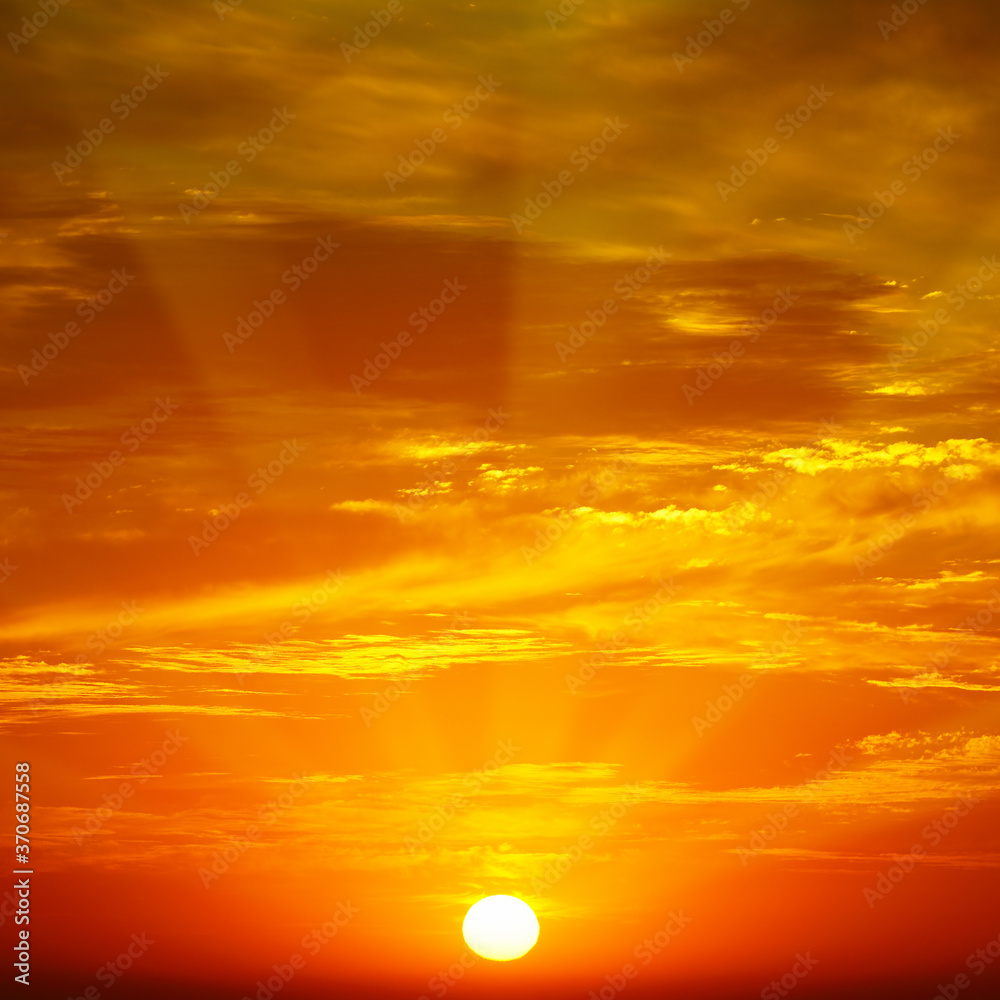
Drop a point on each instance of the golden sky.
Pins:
(552, 447)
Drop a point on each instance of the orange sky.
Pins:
(557, 455)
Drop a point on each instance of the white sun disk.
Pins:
(500, 928)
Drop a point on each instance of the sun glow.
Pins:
(500, 928)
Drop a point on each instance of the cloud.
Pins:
(953, 456)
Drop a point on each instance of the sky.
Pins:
(461, 449)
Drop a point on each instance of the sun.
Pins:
(500, 928)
